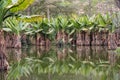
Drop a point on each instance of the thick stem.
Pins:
(59, 38)
(112, 41)
(79, 39)
(87, 39)
(37, 39)
(42, 40)
(17, 41)
(3, 60)
(2, 40)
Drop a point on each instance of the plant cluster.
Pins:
(96, 30)
(69, 26)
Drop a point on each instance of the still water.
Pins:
(66, 63)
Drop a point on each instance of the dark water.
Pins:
(67, 63)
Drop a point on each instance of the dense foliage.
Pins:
(75, 30)
(62, 23)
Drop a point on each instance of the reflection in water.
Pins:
(3, 61)
(4, 65)
(3, 75)
(67, 63)
(112, 57)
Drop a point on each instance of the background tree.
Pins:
(118, 3)
(52, 8)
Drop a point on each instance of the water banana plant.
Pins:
(9, 8)
(17, 29)
(81, 31)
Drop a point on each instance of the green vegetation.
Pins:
(62, 30)
(62, 23)
(84, 30)
(10, 8)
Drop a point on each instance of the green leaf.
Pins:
(101, 20)
(73, 31)
(33, 18)
(7, 29)
(21, 5)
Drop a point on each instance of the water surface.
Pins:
(66, 63)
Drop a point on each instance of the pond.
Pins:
(66, 63)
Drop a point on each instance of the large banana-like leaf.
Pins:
(101, 20)
(7, 29)
(5, 3)
(21, 5)
(15, 26)
(34, 18)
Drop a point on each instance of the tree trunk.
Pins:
(93, 39)
(17, 41)
(59, 38)
(32, 40)
(47, 42)
(117, 3)
(2, 40)
(38, 37)
(8, 39)
(3, 61)
(42, 40)
(64, 38)
(18, 54)
(72, 39)
(87, 39)
(112, 41)
(106, 33)
(48, 12)
(79, 40)
(4, 65)
(104, 38)
(117, 35)
(98, 39)
(24, 40)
